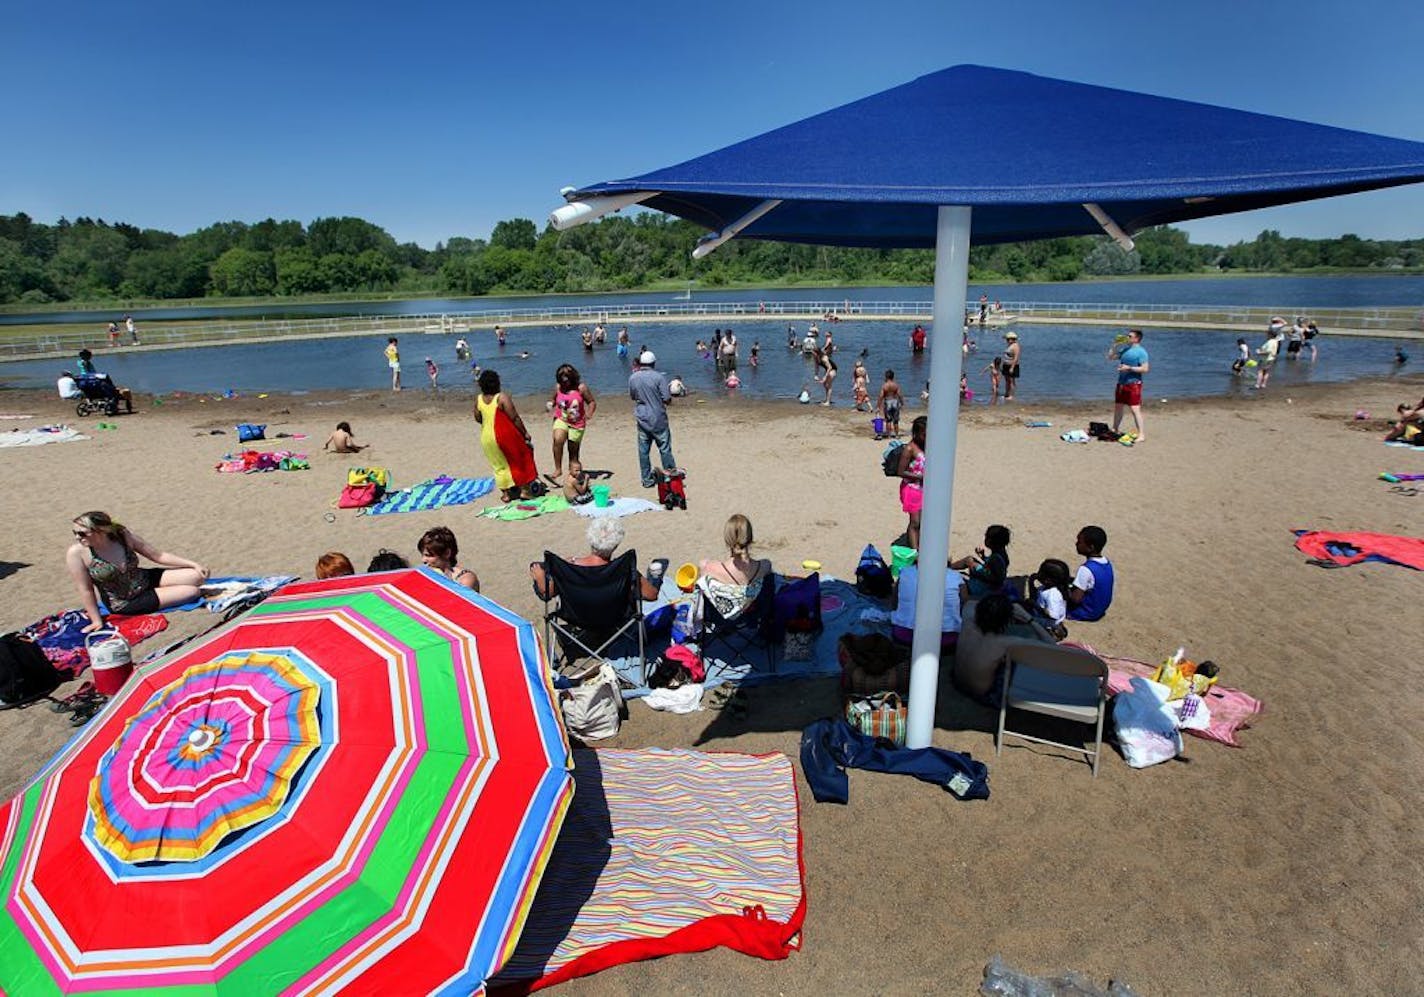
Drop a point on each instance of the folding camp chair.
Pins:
(1057, 681)
(593, 608)
(750, 630)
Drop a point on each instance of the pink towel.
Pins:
(1231, 709)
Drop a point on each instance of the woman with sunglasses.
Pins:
(103, 561)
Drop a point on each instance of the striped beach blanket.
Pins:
(432, 495)
(665, 851)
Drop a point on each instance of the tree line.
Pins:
(91, 260)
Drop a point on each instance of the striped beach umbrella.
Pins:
(355, 786)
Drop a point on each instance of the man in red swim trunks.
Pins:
(1131, 365)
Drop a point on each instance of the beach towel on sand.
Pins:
(1231, 709)
(665, 851)
(61, 636)
(433, 494)
(622, 506)
(1339, 549)
(39, 437)
(527, 508)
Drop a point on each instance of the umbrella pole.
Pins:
(951, 282)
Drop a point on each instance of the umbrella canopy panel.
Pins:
(1025, 152)
(355, 784)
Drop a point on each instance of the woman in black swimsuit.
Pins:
(103, 561)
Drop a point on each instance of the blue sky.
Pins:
(435, 119)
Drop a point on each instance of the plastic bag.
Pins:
(1001, 980)
(1146, 726)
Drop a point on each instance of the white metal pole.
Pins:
(951, 283)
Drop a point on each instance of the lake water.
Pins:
(1286, 294)
(1059, 362)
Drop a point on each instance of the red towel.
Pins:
(1408, 551)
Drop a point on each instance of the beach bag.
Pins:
(872, 574)
(357, 496)
(378, 476)
(672, 494)
(890, 459)
(25, 673)
(883, 716)
(872, 664)
(247, 431)
(593, 710)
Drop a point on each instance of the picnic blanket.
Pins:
(527, 508)
(1330, 548)
(665, 851)
(432, 494)
(61, 636)
(624, 505)
(39, 437)
(841, 609)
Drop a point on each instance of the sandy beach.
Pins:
(1291, 865)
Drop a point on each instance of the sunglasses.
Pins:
(81, 534)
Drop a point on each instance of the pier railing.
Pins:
(219, 331)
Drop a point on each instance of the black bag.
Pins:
(25, 673)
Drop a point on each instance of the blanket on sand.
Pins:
(61, 635)
(665, 851)
(39, 437)
(1231, 709)
(433, 494)
(1330, 548)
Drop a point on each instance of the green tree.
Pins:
(164, 273)
(347, 236)
(243, 273)
(514, 233)
(297, 272)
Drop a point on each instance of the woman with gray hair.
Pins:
(605, 535)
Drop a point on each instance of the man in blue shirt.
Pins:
(1131, 365)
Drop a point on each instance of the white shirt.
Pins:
(1243, 352)
(1051, 603)
(69, 388)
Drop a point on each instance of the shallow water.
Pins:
(1286, 294)
(1059, 363)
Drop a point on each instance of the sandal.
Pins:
(87, 711)
(75, 699)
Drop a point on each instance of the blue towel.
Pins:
(432, 495)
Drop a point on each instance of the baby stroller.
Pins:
(100, 395)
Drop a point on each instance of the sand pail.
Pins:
(901, 557)
(878, 425)
(111, 660)
(686, 577)
(600, 496)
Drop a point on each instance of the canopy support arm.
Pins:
(1109, 226)
(712, 240)
(594, 208)
(951, 281)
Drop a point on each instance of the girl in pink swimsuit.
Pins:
(572, 405)
(912, 475)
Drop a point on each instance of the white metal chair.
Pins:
(1056, 681)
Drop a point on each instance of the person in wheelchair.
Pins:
(99, 390)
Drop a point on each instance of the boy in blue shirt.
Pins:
(1092, 590)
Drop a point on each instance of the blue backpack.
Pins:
(247, 432)
(890, 459)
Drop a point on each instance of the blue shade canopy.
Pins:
(1025, 152)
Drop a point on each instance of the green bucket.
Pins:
(901, 557)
